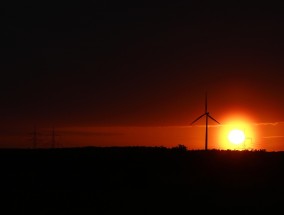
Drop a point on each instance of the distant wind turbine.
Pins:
(207, 115)
(247, 138)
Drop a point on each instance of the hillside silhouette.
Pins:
(140, 180)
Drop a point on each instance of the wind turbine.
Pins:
(207, 115)
(247, 138)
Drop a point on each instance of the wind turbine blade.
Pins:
(213, 119)
(198, 118)
(206, 102)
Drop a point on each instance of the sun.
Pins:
(237, 132)
(236, 136)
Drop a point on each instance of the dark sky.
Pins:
(122, 64)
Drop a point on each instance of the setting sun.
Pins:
(237, 132)
(236, 136)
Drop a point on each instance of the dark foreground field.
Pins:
(141, 180)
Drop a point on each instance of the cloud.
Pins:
(270, 137)
(269, 123)
(90, 133)
(255, 124)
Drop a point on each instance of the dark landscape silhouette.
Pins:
(115, 73)
(141, 180)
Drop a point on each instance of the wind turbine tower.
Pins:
(207, 115)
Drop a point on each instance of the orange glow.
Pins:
(236, 133)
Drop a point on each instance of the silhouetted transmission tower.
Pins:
(34, 138)
(54, 143)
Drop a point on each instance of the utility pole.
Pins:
(53, 142)
(35, 138)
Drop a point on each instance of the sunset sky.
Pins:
(117, 74)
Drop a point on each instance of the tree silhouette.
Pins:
(180, 148)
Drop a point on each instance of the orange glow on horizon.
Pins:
(240, 123)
